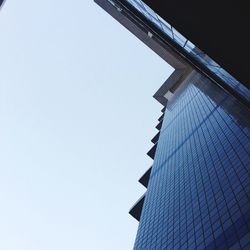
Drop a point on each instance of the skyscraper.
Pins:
(198, 185)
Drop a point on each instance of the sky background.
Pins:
(76, 120)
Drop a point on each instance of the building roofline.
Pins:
(161, 45)
(182, 69)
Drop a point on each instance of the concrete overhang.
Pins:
(179, 58)
(148, 36)
(166, 91)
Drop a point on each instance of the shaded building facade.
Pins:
(198, 185)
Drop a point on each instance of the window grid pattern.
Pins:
(198, 192)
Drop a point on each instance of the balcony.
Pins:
(136, 210)
(145, 178)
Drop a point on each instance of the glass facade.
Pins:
(198, 188)
(198, 191)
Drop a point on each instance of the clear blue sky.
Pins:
(76, 119)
